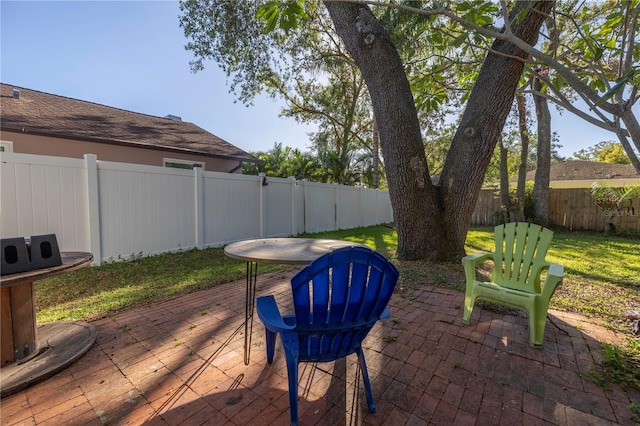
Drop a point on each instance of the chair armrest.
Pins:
(270, 315)
(476, 258)
(554, 278)
(556, 270)
(470, 262)
(385, 314)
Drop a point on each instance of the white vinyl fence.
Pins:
(118, 210)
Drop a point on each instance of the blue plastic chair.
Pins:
(337, 299)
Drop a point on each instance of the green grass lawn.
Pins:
(95, 292)
(602, 276)
(602, 273)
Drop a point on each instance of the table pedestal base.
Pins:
(18, 323)
(59, 345)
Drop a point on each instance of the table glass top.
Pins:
(295, 251)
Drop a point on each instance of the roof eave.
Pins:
(131, 144)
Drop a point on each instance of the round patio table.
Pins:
(290, 251)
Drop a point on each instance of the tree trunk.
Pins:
(624, 141)
(413, 197)
(543, 166)
(375, 148)
(432, 225)
(524, 144)
(483, 120)
(505, 199)
(633, 127)
(511, 212)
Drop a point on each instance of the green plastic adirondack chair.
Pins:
(519, 260)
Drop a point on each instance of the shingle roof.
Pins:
(44, 113)
(588, 170)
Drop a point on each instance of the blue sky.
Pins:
(130, 55)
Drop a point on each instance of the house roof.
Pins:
(588, 170)
(53, 115)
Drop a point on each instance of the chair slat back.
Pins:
(337, 299)
(520, 250)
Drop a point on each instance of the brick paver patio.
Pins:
(181, 363)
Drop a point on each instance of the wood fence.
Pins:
(573, 209)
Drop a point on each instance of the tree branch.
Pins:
(578, 85)
(564, 103)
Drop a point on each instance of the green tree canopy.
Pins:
(307, 67)
(284, 162)
(605, 152)
(431, 221)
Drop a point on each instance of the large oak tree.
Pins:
(432, 221)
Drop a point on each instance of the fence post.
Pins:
(93, 208)
(261, 181)
(305, 196)
(292, 180)
(360, 210)
(377, 206)
(198, 177)
(336, 207)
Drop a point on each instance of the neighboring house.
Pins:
(583, 174)
(34, 122)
